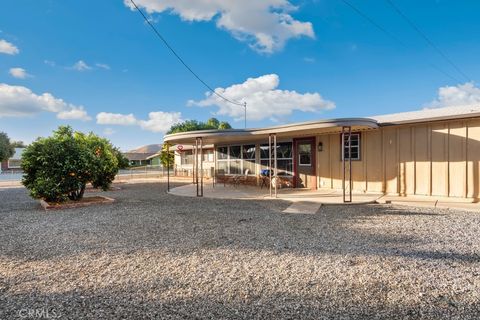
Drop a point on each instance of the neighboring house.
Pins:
(155, 160)
(139, 158)
(434, 152)
(15, 162)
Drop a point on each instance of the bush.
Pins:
(59, 167)
(7, 149)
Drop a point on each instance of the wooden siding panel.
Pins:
(373, 156)
(407, 165)
(337, 169)
(422, 160)
(439, 151)
(457, 159)
(323, 168)
(390, 153)
(473, 154)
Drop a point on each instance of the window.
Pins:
(186, 157)
(14, 163)
(305, 154)
(236, 159)
(248, 156)
(354, 147)
(284, 158)
(222, 153)
(208, 155)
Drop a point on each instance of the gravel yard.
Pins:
(151, 255)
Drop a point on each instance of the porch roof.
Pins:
(294, 130)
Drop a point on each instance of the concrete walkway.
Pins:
(432, 202)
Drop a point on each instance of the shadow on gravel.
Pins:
(145, 217)
(145, 224)
(114, 303)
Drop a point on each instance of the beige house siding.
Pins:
(438, 158)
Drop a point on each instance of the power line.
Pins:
(243, 104)
(427, 39)
(392, 36)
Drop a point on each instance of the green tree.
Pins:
(167, 158)
(212, 123)
(18, 144)
(59, 167)
(7, 150)
(194, 125)
(123, 162)
(224, 125)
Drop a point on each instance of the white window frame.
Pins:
(343, 147)
(299, 155)
(14, 167)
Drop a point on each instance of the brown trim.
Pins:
(295, 142)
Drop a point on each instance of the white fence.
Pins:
(124, 174)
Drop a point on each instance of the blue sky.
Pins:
(306, 59)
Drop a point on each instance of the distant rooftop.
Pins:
(136, 156)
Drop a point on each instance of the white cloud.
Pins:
(18, 101)
(157, 121)
(160, 121)
(103, 66)
(264, 100)
(75, 113)
(462, 94)
(19, 73)
(116, 119)
(309, 59)
(8, 48)
(80, 65)
(266, 25)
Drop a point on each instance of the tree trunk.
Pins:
(82, 191)
(77, 195)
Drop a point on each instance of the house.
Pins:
(139, 158)
(434, 152)
(14, 163)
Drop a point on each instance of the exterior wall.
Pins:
(155, 161)
(436, 158)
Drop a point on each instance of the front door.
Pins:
(305, 163)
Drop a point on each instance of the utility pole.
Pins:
(245, 107)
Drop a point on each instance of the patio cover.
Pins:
(302, 129)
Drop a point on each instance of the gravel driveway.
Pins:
(155, 256)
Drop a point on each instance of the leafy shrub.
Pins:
(7, 149)
(59, 167)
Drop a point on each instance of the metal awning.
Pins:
(283, 131)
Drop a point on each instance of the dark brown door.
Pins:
(305, 163)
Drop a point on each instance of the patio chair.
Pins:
(220, 177)
(241, 178)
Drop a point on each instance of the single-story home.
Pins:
(13, 163)
(139, 158)
(431, 152)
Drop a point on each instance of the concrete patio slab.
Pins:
(327, 197)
